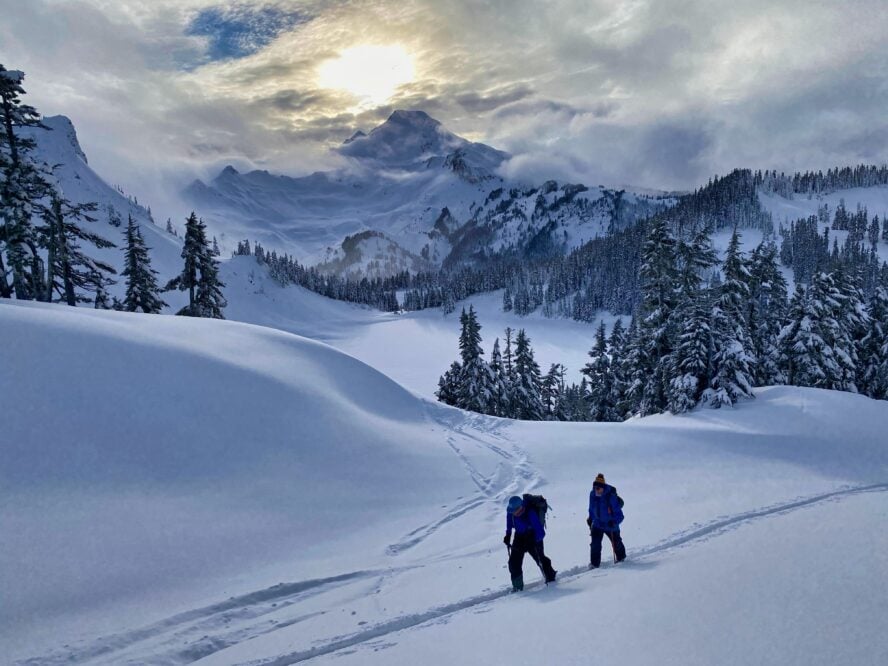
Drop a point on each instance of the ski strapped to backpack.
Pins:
(538, 504)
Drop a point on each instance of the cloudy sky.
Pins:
(655, 93)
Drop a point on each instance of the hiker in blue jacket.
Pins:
(529, 535)
(605, 516)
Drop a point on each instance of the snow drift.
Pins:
(144, 453)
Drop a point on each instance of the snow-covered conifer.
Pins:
(142, 291)
(22, 185)
(70, 272)
(528, 405)
(732, 360)
(200, 274)
(598, 372)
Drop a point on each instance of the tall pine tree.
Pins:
(690, 360)
(70, 273)
(474, 387)
(648, 391)
(23, 184)
(874, 346)
(200, 274)
(598, 372)
(528, 404)
(142, 292)
(732, 361)
(766, 312)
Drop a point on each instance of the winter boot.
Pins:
(517, 583)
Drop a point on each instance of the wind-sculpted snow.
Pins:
(164, 478)
(143, 451)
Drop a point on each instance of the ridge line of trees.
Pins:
(693, 342)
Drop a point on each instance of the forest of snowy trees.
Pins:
(692, 342)
(42, 232)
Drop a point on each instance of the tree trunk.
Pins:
(64, 263)
(51, 257)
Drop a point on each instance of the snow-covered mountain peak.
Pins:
(63, 138)
(411, 139)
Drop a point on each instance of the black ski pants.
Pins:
(595, 547)
(527, 543)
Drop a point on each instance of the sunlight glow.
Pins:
(370, 73)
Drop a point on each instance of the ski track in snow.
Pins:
(241, 617)
(246, 611)
(695, 534)
(492, 490)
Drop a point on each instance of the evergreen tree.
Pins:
(658, 275)
(552, 393)
(527, 386)
(732, 361)
(70, 272)
(847, 306)
(766, 311)
(448, 385)
(22, 186)
(509, 376)
(200, 274)
(500, 401)
(142, 292)
(507, 300)
(690, 360)
(598, 372)
(634, 370)
(475, 383)
(805, 357)
(874, 346)
(617, 349)
(103, 300)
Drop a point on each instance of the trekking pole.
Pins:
(535, 556)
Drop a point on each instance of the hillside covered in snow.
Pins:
(322, 509)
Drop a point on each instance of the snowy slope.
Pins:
(413, 348)
(59, 148)
(763, 590)
(149, 456)
(199, 463)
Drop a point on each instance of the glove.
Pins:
(589, 522)
(506, 540)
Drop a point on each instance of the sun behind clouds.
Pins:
(370, 73)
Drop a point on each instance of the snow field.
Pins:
(221, 493)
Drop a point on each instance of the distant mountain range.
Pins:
(413, 196)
